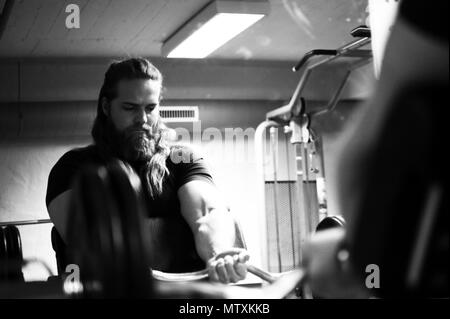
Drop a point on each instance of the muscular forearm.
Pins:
(215, 232)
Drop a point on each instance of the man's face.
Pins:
(132, 116)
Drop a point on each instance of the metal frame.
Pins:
(285, 113)
(296, 119)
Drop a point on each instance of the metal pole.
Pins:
(291, 213)
(305, 186)
(27, 222)
(260, 142)
(274, 144)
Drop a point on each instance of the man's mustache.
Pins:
(147, 129)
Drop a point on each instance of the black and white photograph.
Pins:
(251, 152)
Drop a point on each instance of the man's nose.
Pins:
(141, 117)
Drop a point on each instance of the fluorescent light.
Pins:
(212, 27)
(213, 34)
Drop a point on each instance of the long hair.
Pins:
(153, 171)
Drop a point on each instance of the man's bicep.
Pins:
(58, 210)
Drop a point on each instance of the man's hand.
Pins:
(229, 266)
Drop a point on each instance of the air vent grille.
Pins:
(172, 114)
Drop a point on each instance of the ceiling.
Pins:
(119, 28)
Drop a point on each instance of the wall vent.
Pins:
(171, 114)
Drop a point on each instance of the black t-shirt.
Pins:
(172, 242)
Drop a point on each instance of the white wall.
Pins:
(24, 170)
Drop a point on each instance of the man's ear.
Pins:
(105, 106)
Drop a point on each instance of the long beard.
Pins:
(134, 144)
(146, 149)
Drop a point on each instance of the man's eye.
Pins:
(127, 107)
(149, 109)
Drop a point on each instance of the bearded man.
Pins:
(188, 221)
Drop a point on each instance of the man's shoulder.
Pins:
(184, 153)
(63, 172)
(81, 154)
(186, 163)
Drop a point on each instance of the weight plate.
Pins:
(3, 256)
(9, 254)
(13, 241)
(82, 231)
(114, 247)
(107, 233)
(100, 248)
(128, 192)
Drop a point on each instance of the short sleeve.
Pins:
(190, 165)
(61, 176)
(67, 167)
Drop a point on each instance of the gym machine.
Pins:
(295, 118)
